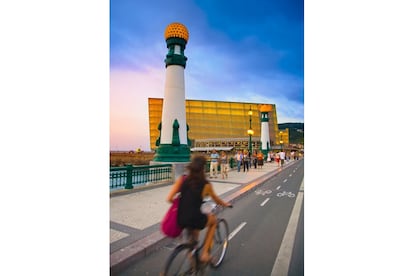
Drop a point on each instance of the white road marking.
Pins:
(284, 193)
(260, 192)
(284, 180)
(290, 175)
(281, 265)
(278, 187)
(264, 202)
(235, 231)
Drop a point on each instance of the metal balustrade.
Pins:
(130, 175)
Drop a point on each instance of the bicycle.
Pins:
(185, 259)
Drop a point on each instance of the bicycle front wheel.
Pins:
(181, 261)
(220, 243)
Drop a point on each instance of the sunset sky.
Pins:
(250, 51)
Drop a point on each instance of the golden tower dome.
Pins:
(176, 30)
(265, 108)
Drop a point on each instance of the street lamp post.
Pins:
(250, 130)
(281, 141)
(282, 156)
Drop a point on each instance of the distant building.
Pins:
(283, 139)
(218, 124)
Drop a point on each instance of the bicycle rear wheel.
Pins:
(220, 243)
(181, 261)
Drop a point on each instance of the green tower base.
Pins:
(171, 153)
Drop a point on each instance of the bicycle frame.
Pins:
(195, 245)
(190, 250)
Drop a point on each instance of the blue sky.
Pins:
(249, 51)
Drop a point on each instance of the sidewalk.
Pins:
(135, 216)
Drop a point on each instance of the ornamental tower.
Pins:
(264, 119)
(173, 144)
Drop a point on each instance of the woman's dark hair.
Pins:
(196, 170)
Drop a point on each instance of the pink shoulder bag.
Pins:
(169, 224)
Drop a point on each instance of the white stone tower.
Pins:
(264, 119)
(173, 144)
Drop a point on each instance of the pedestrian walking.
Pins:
(282, 158)
(246, 161)
(239, 159)
(278, 159)
(224, 165)
(254, 158)
(214, 163)
(260, 159)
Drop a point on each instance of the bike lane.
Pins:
(155, 240)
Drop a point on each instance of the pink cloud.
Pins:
(129, 93)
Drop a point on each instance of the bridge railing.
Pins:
(129, 175)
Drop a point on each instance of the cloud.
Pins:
(129, 125)
(243, 53)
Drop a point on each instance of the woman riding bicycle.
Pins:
(193, 190)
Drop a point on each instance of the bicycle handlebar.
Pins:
(212, 207)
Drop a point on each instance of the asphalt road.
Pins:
(262, 217)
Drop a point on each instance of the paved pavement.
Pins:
(135, 215)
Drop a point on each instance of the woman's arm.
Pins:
(175, 189)
(210, 191)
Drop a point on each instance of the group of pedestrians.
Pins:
(247, 159)
(279, 158)
(243, 159)
(215, 160)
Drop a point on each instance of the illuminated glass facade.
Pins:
(217, 123)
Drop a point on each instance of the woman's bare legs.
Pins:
(211, 224)
(193, 237)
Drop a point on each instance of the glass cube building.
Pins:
(218, 124)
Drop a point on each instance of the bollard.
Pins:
(128, 184)
(231, 162)
(207, 167)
